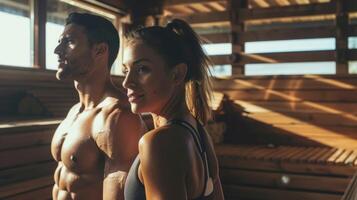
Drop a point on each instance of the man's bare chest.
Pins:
(74, 142)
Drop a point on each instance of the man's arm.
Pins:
(120, 145)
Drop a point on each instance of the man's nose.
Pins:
(58, 49)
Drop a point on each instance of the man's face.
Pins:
(75, 54)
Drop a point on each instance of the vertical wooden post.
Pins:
(38, 24)
(237, 26)
(341, 37)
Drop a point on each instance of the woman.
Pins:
(166, 75)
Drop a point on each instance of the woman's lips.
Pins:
(133, 98)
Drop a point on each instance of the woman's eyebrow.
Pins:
(138, 61)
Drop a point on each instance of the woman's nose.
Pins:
(129, 80)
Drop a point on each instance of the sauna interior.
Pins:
(284, 101)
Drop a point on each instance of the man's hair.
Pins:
(98, 30)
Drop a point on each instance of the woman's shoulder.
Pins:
(164, 139)
(166, 134)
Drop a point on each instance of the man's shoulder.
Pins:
(114, 104)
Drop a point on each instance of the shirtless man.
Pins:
(97, 141)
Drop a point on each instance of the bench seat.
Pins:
(281, 172)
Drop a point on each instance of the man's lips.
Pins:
(134, 97)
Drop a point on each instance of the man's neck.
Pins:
(92, 92)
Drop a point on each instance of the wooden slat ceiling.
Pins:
(189, 7)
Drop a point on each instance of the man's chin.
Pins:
(61, 75)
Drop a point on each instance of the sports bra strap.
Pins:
(198, 138)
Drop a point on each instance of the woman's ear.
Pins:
(179, 73)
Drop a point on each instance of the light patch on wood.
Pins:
(302, 2)
(181, 9)
(262, 3)
(217, 6)
(260, 58)
(167, 12)
(283, 2)
(200, 7)
(331, 82)
(290, 19)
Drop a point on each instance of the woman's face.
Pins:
(148, 80)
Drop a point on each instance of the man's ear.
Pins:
(101, 49)
(179, 73)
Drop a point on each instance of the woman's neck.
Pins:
(181, 113)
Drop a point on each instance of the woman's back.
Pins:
(177, 153)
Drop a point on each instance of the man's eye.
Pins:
(142, 69)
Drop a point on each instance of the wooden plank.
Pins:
(261, 3)
(343, 157)
(351, 158)
(44, 193)
(202, 18)
(346, 109)
(327, 119)
(228, 156)
(287, 11)
(312, 152)
(13, 141)
(216, 38)
(335, 155)
(25, 186)
(313, 158)
(327, 155)
(297, 156)
(290, 151)
(18, 174)
(242, 192)
(287, 34)
(220, 59)
(341, 37)
(351, 191)
(286, 166)
(302, 83)
(274, 180)
(21, 156)
(39, 34)
(342, 96)
(185, 2)
(7, 127)
(217, 6)
(200, 7)
(285, 57)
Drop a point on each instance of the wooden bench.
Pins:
(281, 172)
(34, 93)
(288, 137)
(351, 192)
(32, 105)
(26, 167)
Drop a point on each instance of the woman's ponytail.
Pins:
(198, 85)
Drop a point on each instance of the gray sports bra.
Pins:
(135, 190)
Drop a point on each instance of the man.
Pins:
(97, 141)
